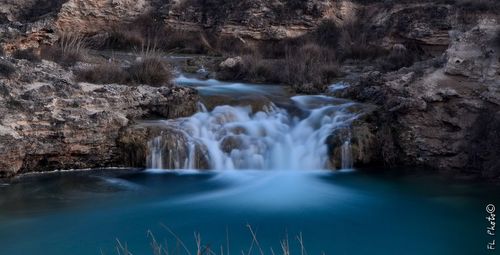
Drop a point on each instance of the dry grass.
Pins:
(327, 34)
(103, 74)
(354, 43)
(307, 68)
(135, 38)
(311, 65)
(122, 39)
(150, 28)
(150, 70)
(254, 68)
(207, 249)
(69, 49)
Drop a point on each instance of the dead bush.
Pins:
(231, 45)
(254, 68)
(327, 34)
(103, 74)
(122, 39)
(307, 66)
(354, 43)
(186, 42)
(310, 65)
(151, 70)
(68, 49)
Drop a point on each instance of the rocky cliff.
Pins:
(48, 122)
(443, 113)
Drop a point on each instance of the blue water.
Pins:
(344, 212)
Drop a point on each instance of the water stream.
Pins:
(258, 130)
(270, 138)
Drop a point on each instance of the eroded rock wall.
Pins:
(441, 114)
(49, 122)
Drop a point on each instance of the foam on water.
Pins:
(234, 137)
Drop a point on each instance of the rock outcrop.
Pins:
(49, 122)
(473, 55)
(173, 143)
(91, 16)
(440, 117)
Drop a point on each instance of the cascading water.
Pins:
(155, 155)
(234, 137)
(346, 155)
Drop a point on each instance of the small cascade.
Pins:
(346, 155)
(234, 137)
(155, 153)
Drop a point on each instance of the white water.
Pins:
(346, 156)
(237, 138)
(155, 154)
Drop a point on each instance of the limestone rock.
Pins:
(472, 54)
(49, 122)
(433, 120)
(90, 16)
(135, 143)
(231, 62)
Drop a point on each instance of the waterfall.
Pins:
(235, 137)
(155, 155)
(346, 155)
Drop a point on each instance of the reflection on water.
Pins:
(339, 213)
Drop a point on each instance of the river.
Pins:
(271, 181)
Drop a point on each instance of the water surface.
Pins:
(343, 212)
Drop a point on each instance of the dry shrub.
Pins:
(6, 69)
(186, 42)
(232, 45)
(150, 28)
(122, 39)
(309, 66)
(151, 71)
(354, 43)
(27, 54)
(69, 49)
(312, 66)
(103, 74)
(254, 68)
(327, 34)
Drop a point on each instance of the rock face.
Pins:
(425, 23)
(471, 54)
(172, 143)
(49, 122)
(90, 16)
(255, 19)
(444, 118)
